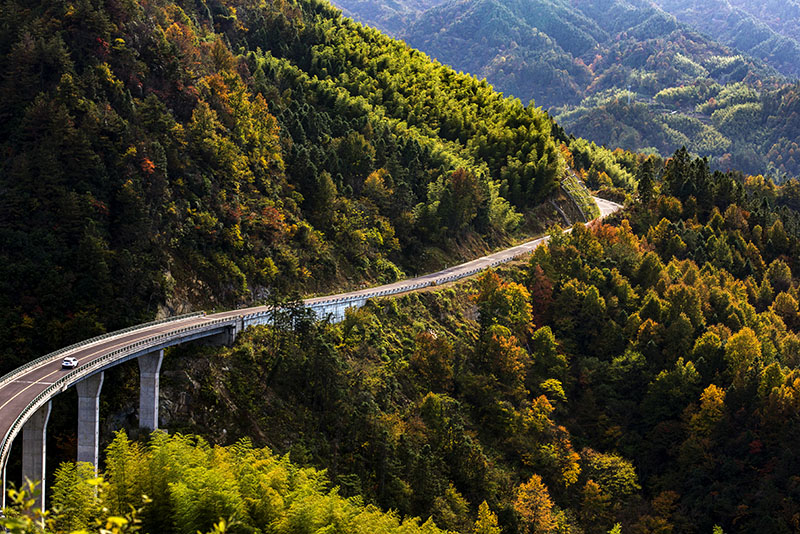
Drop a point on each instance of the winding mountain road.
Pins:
(32, 386)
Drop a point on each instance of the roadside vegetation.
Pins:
(638, 372)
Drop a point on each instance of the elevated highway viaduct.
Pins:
(26, 393)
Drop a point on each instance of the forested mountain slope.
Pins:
(737, 126)
(766, 29)
(777, 14)
(627, 74)
(641, 373)
(159, 155)
(559, 52)
(391, 17)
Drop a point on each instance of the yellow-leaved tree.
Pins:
(487, 521)
(534, 506)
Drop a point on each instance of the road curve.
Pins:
(31, 386)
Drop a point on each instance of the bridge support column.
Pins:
(149, 370)
(34, 437)
(89, 418)
(226, 338)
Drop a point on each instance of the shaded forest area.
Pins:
(766, 30)
(640, 373)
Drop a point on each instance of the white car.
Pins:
(69, 363)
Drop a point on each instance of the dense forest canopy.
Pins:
(560, 52)
(195, 487)
(638, 375)
(161, 155)
(765, 29)
(390, 17)
(736, 126)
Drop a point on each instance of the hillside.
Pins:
(390, 17)
(736, 126)
(641, 373)
(766, 30)
(627, 74)
(638, 375)
(161, 156)
(558, 52)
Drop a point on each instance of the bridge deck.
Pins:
(17, 394)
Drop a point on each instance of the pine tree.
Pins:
(646, 187)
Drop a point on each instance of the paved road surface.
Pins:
(22, 387)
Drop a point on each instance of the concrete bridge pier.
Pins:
(149, 371)
(34, 446)
(226, 338)
(89, 418)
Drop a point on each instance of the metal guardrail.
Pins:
(97, 364)
(101, 362)
(52, 355)
(406, 289)
(88, 369)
